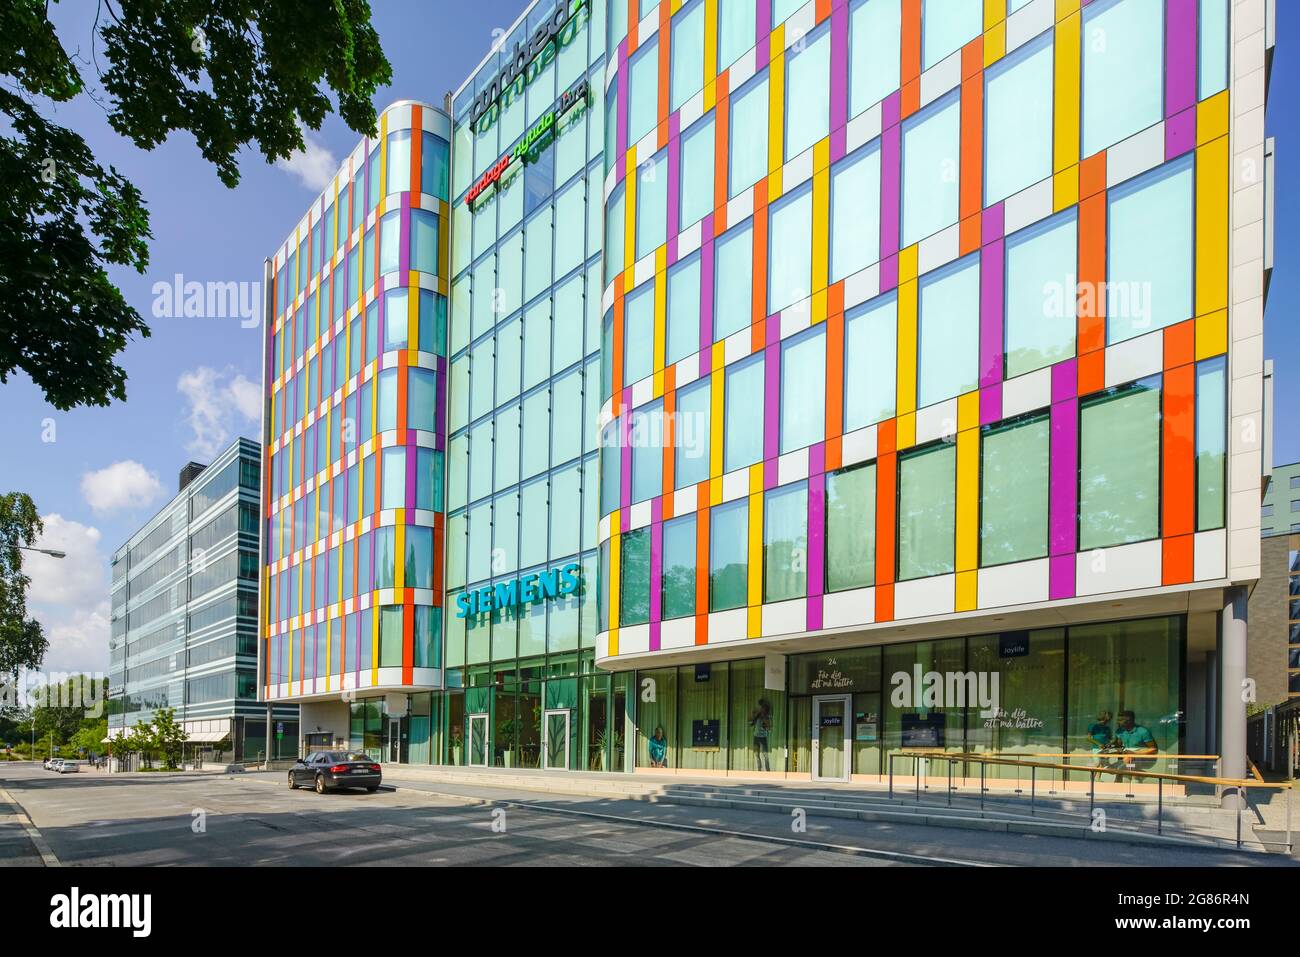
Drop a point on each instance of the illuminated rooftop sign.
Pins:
(537, 138)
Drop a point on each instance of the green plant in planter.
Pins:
(604, 738)
(507, 733)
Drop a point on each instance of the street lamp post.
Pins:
(53, 553)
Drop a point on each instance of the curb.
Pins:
(48, 857)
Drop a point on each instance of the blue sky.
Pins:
(195, 383)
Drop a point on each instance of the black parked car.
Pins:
(327, 770)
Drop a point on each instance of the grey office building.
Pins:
(184, 613)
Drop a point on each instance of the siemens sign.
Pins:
(524, 590)
(549, 34)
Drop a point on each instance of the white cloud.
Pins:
(246, 396)
(78, 639)
(122, 485)
(314, 165)
(78, 578)
(219, 403)
(68, 596)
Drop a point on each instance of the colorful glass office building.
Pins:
(799, 358)
(355, 371)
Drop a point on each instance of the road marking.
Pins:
(37, 838)
(855, 850)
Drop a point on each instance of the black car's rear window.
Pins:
(349, 756)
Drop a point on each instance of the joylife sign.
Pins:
(518, 592)
(546, 39)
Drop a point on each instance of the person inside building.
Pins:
(658, 748)
(760, 720)
(1132, 739)
(1100, 734)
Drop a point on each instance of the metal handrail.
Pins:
(1096, 769)
(1080, 754)
(1241, 785)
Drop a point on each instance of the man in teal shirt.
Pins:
(1134, 739)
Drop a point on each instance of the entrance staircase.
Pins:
(1189, 822)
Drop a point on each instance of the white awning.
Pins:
(207, 737)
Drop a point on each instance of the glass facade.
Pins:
(183, 619)
(356, 368)
(949, 306)
(526, 332)
(1061, 693)
(745, 320)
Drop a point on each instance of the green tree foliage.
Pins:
(169, 737)
(65, 709)
(231, 73)
(140, 740)
(22, 642)
(90, 736)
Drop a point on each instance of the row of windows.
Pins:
(1149, 283)
(226, 647)
(151, 700)
(240, 473)
(552, 424)
(1118, 503)
(556, 626)
(385, 326)
(546, 250)
(241, 603)
(1122, 56)
(401, 476)
(241, 517)
(369, 560)
(331, 232)
(547, 519)
(369, 410)
(152, 669)
(221, 571)
(154, 639)
(345, 644)
(868, 364)
(158, 570)
(547, 169)
(526, 350)
(230, 684)
(153, 609)
(155, 540)
(342, 287)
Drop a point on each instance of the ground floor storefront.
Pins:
(1123, 694)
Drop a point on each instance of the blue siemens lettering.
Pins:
(525, 590)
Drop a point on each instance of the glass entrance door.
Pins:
(394, 740)
(555, 740)
(830, 756)
(478, 741)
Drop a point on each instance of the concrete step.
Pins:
(865, 797)
(1125, 822)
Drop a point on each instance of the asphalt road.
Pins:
(96, 819)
